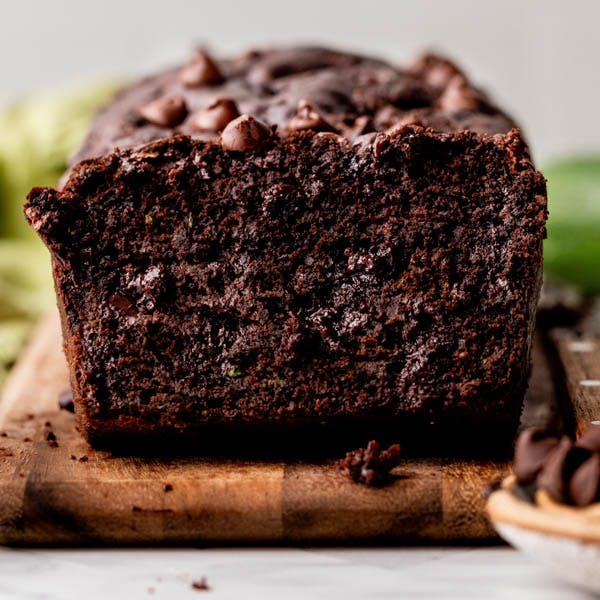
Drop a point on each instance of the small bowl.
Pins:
(565, 538)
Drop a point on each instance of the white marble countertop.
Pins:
(277, 573)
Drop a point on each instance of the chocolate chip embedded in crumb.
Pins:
(245, 133)
(83, 459)
(168, 487)
(200, 585)
(122, 304)
(531, 449)
(65, 401)
(215, 117)
(307, 117)
(167, 111)
(201, 70)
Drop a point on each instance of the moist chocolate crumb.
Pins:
(65, 401)
(371, 465)
(168, 487)
(200, 585)
(342, 267)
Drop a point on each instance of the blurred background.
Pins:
(62, 59)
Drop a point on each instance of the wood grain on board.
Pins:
(580, 360)
(70, 494)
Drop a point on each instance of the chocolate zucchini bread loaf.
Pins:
(292, 238)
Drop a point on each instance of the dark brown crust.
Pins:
(315, 279)
(272, 85)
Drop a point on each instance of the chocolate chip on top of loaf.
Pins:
(294, 89)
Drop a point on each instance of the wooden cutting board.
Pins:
(70, 494)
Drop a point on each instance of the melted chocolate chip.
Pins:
(245, 133)
(167, 111)
(201, 70)
(531, 450)
(216, 116)
(307, 117)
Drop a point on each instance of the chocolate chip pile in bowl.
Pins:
(568, 471)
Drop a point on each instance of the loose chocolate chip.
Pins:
(531, 449)
(559, 467)
(216, 116)
(551, 477)
(167, 111)
(584, 487)
(201, 70)
(65, 401)
(590, 438)
(307, 117)
(245, 133)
